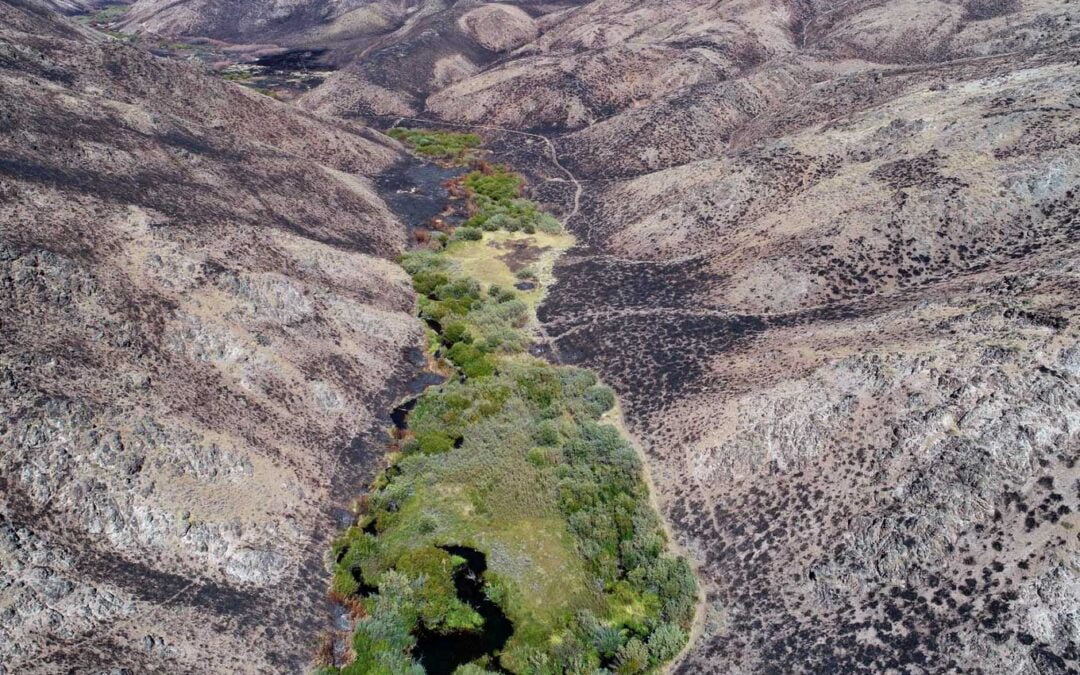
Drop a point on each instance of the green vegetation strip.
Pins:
(512, 458)
(438, 144)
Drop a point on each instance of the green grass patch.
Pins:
(498, 183)
(438, 144)
(107, 14)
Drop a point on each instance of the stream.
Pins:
(416, 192)
(441, 654)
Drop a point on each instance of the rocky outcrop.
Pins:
(201, 327)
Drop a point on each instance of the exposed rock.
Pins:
(200, 316)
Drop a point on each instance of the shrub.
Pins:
(456, 332)
(426, 283)
(666, 642)
(501, 294)
(547, 433)
(497, 184)
(632, 658)
(434, 442)
(511, 215)
(436, 596)
(599, 400)
(543, 457)
(470, 360)
(607, 640)
(437, 144)
(468, 234)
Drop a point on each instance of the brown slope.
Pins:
(833, 277)
(828, 258)
(853, 359)
(199, 318)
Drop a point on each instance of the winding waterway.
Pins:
(470, 624)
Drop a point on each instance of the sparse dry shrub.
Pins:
(336, 597)
(324, 651)
(354, 605)
(355, 608)
(362, 505)
(440, 225)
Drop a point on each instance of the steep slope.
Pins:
(828, 259)
(269, 20)
(437, 46)
(851, 348)
(201, 326)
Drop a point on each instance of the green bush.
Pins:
(501, 294)
(468, 234)
(632, 658)
(436, 598)
(599, 400)
(498, 185)
(543, 457)
(456, 332)
(437, 144)
(434, 442)
(607, 640)
(547, 433)
(471, 361)
(511, 215)
(666, 642)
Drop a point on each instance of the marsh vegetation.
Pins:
(514, 521)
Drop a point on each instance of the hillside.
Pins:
(201, 326)
(827, 257)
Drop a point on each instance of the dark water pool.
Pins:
(442, 654)
(296, 59)
(400, 415)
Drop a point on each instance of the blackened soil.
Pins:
(653, 360)
(400, 416)
(296, 59)
(624, 285)
(414, 191)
